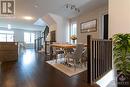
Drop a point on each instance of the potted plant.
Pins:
(121, 51)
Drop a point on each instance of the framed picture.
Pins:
(89, 26)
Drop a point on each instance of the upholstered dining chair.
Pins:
(84, 57)
(75, 57)
(56, 52)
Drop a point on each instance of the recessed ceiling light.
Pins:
(36, 6)
(9, 26)
(28, 18)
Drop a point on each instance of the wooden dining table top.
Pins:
(60, 45)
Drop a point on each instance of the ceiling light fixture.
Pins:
(28, 17)
(72, 7)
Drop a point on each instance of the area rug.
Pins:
(70, 71)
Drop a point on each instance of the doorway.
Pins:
(105, 24)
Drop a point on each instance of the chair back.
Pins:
(84, 53)
(78, 51)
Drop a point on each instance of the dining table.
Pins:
(64, 47)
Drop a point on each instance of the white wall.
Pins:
(62, 25)
(119, 16)
(95, 14)
(18, 35)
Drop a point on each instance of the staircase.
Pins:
(40, 42)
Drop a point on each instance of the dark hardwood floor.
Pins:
(31, 70)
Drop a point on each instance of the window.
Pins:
(9, 37)
(6, 36)
(73, 30)
(29, 37)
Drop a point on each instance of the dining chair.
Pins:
(84, 57)
(75, 57)
(56, 52)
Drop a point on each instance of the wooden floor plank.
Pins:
(31, 70)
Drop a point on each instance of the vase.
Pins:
(73, 41)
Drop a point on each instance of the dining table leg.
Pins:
(65, 56)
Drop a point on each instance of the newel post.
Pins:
(89, 59)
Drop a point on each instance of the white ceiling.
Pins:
(40, 8)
